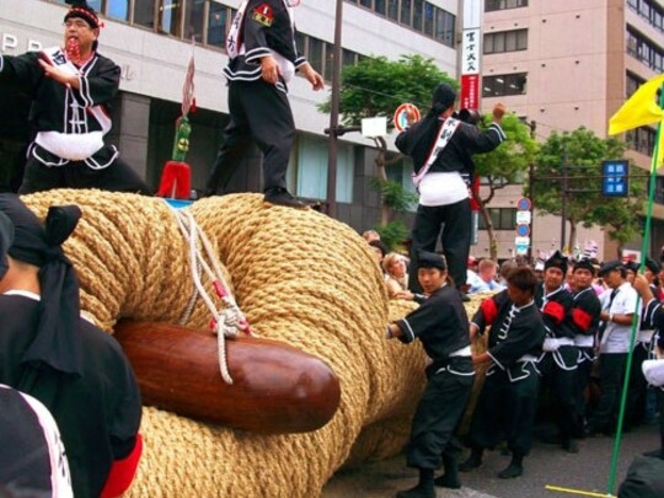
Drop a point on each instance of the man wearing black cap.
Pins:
(441, 148)
(558, 363)
(508, 400)
(441, 324)
(71, 89)
(263, 59)
(49, 352)
(618, 307)
(586, 309)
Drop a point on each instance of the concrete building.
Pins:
(151, 41)
(567, 64)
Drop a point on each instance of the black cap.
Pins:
(653, 266)
(608, 266)
(632, 266)
(430, 260)
(81, 9)
(557, 260)
(585, 264)
(444, 95)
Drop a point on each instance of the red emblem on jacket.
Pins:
(263, 14)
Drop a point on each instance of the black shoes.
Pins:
(281, 197)
(513, 470)
(472, 462)
(447, 481)
(418, 491)
(570, 445)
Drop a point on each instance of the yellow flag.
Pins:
(640, 109)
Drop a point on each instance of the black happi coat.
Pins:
(515, 331)
(467, 140)
(556, 307)
(98, 413)
(586, 309)
(261, 33)
(440, 323)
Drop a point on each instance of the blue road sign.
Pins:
(615, 178)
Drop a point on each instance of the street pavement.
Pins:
(586, 471)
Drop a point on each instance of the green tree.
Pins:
(504, 166)
(375, 87)
(579, 154)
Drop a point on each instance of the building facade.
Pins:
(152, 41)
(563, 65)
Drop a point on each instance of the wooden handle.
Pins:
(276, 387)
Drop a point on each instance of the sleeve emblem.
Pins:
(263, 14)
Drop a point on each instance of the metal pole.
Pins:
(563, 224)
(531, 181)
(334, 115)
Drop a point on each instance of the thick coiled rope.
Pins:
(301, 278)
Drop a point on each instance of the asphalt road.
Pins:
(586, 471)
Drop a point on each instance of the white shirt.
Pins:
(616, 338)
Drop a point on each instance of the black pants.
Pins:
(455, 220)
(118, 177)
(506, 409)
(635, 412)
(584, 371)
(438, 415)
(611, 370)
(262, 113)
(562, 385)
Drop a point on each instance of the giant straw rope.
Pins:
(301, 278)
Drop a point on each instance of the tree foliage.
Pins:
(580, 153)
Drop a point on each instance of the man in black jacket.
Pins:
(441, 148)
(263, 59)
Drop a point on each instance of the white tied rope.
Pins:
(230, 320)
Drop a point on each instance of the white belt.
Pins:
(72, 146)
(645, 336)
(526, 358)
(553, 343)
(584, 341)
(462, 352)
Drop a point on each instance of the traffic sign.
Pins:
(400, 116)
(523, 230)
(521, 241)
(524, 204)
(523, 218)
(615, 178)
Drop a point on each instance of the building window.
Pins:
(218, 20)
(641, 140)
(501, 219)
(506, 41)
(504, 84)
(645, 51)
(118, 10)
(491, 5)
(194, 14)
(632, 83)
(312, 162)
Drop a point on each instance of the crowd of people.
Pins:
(558, 342)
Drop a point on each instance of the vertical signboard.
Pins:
(471, 53)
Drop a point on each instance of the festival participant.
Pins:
(49, 352)
(559, 361)
(263, 59)
(508, 400)
(618, 308)
(71, 89)
(441, 148)
(585, 319)
(441, 324)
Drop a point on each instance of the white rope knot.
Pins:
(228, 321)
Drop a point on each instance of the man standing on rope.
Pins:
(441, 324)
(441, 148)
(51, 353)
(263, 60)
(70, 89)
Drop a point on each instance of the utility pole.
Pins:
(531, 181)
(563, 224)
(334, 115)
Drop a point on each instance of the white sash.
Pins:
(445, 133)
(233, 40)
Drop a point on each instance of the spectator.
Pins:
(370, 235)
(397, 276)
(486, 278)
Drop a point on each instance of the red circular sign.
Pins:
(401, 116)
(524, 204)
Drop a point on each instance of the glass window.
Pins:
(406, 12)
(366, 3)
(328, 68)
(169, 17)
(193, 19)
(393, 9)
(312, 165)
(118, 9)
(144, 13)
(428, 19)
(379, 7)
(300, 43)
(217, 21)
(347, 57)
(445, 27)
(315, 53)
(418, 14)
(504, 84)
